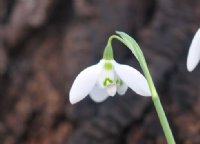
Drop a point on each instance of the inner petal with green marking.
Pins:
(107, 81)
(119, 82)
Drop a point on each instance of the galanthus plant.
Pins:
(194, 52)
(108, 77)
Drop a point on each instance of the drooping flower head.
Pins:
(194, 52)
(107, 78)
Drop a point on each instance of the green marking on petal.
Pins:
(108, 66)
(106, 81)
(119, 82)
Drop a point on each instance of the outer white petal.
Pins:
(133, 79)
(194, 52)
(98, 94)
(121, 90)
(84, 83)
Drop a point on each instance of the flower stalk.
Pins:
(135, 49)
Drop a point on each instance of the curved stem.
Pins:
(108, 52)
(135, 49)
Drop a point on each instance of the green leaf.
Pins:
(131, 44)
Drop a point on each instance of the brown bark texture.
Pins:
(44, 44)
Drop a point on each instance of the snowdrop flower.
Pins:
(106, 79)
(194, 52)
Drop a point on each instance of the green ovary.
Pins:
(108, 66)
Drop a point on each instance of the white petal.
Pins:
(121, 90)
(84, 83)
(111, 89)
(98, 94)
(194, 52)
(133, 79)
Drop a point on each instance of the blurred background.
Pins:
(44, 44)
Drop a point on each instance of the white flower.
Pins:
(106, 79)
(194, 52)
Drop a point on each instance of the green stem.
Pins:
(159, 108)
(140, 57)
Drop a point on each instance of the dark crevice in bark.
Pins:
(150, 12)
